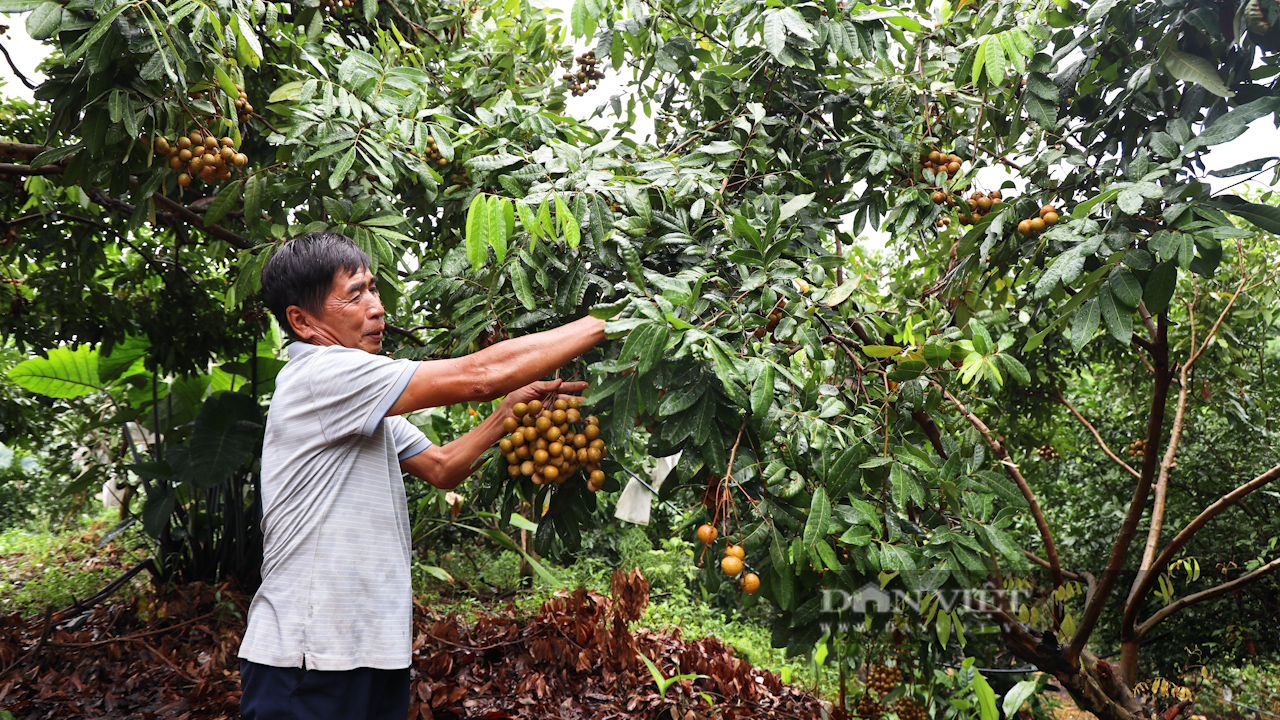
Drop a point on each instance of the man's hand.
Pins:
(446, 466)
(545, 390)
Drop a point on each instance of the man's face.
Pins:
(351, 315)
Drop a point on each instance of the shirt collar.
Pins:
(298, 349)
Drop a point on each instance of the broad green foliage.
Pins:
(814, 400)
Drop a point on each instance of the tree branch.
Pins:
(196, 221)
(1097, 438)
(21, 151)
(17, 73)
(12, 169)
(404, 334)
(1011, 468)
(1182, 538)
(1209, 594)
(1137, 506)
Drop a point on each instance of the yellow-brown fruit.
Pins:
(935, 157)
(184, 180)
(196, 138)
(505, 445)
(175, 162)
(551, 472)
(1037, 225)
(1050, 218)
(210, 142)
(939, 197)
(510, 424)
(559, 417)
(736, 551)
(591, 432)
(525, 452)
(707, 534)
(1024, 228)
(184, 155)
(594, 455)
(543, 424)
(208, 158)
(953, 167)
(513, 470)
(540, 457)
(227, 153)
(560, 404)
(555, 448)
(535, 407)
(195, 166)
(1047, 209)
(750, 583)
(161, 145)
(184, 143)
(553, 433)
(526, 468)
(519, 409)
(513, 459)
(572, 416)
(985, 203)
(517, 437)
(597, 476)
(731, 565)
(530, 434)
(208, 173)
(227, 142)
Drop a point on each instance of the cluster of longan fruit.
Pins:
(1137, 448)
(463, 178)
(868, 707)
(432, 155)
(243, 108)
(1047, 218)
(979, 205)
(333, 5)
(941, 162)
(201, 156)
(908, 709)
(883, 679)
(584, 79)
(771, 320)
(1048, 452)
(545, 446)
(734, 561)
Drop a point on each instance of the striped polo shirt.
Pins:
(335, 591)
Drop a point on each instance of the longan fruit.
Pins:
(513, 459)
(175, 162)
(736, 551)
(731, 565)
(210, 142)
(208, 158)
(161, 145)
(939, 197)
(935, 157)
(560, 404)
(580, 440)
(559, 416)
(750, 583)
(985, 203)
(184, 143)
(572, 416)
(568, 452)
(239, 159)
(540, 457)
(510, 424)
(227, 153)
(594, 455)
(196, 138)
(517, 438)
(1024, 228)
(593, 420)
(513, 470)
(208, 173)
(529, 420)
(184, 180)
(519, 409)
(597, 476)
(707, 534)
(535, 407)
(526, 468)
(1037, 225)
(1047, 209)
(556, 448)
(1050, 218)
(553, 434)
(953, 167)
(596, 443)
(524, 452)
(530, 434)
(543, 424)
(227, 142)
(583, 456)
(550, 472)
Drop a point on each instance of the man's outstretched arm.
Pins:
(446, 466)
(498, 369)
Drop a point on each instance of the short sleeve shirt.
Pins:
(335, 591)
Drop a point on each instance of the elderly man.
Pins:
(330, 629)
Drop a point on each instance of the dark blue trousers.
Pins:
(276, 693)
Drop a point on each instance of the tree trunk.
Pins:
(1095, 685)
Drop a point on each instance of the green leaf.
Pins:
(520, 283)
(1266, 217)
(626, 405)
(497, 235)
(819, 522)
(844, 292)
(986, 698)
(477, 237)
(95, 34)
(775, 35)
(995, 62)
(1125, 287)
(1158, 291)
(1118, 318)
(1015, 368)
(528, 220)
(222, 204)
(762, 393)
(248, 49)
(1085, 324)
(794, 205)
(339, 174)
(881, 351)
(1193, 68)
(225, 82)
(64, 373)
(253, 198)
(226, 433)
(1018, 695)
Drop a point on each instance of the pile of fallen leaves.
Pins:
(174, 656)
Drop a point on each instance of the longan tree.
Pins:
(841, 428)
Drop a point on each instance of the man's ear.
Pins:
(300, 321)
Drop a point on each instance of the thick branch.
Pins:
(195, 220)
(404, 334)
(1181, 539)
(1155, 424)
(17, 73)
(12, 169)
(1211, 593)
(1011, 468)
(21, 151)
